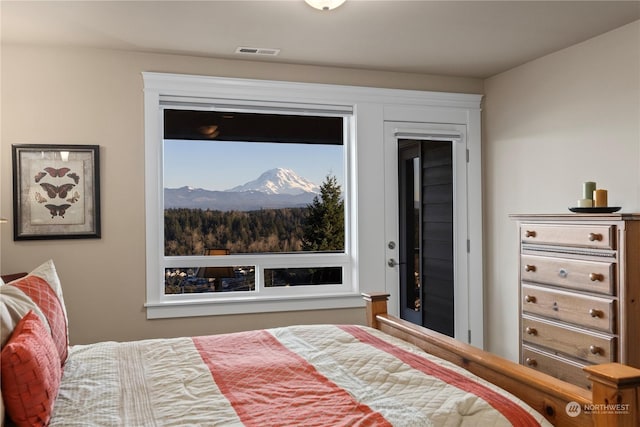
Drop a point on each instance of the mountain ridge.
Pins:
(273, 189)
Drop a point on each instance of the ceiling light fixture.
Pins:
(209, 131)
(324, 4)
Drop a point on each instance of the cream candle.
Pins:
(600, 198)
(588, 187)
(585, 203)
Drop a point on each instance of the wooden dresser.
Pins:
(579, 292)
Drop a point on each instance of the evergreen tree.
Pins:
(323, 229)
(187, 231)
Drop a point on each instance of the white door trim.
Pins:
(468, 310)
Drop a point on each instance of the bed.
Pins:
(389, 372)
(614, 399)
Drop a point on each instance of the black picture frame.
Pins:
(56, 191)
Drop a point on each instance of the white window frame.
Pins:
(262, 299)
(368, 250)
(266, 261)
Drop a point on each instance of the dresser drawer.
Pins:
(583, 310)
(589, 346)
(588, 236)
(560, 367)
(590, 276)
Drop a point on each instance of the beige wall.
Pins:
(81, 96)
(549, 125)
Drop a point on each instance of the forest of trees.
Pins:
(318, 227)
(191, 231)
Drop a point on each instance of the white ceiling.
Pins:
(457, 38)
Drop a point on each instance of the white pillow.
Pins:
(47, 272)
(14, 305)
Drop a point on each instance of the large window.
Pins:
(252, 184)
(249, 205)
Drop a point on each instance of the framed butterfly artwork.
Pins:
(56, 191)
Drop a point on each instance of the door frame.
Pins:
(468, 293)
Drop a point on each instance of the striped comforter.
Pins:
(296, 376)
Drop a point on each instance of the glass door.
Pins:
(409, 250)
(426, 227)
(426, 222)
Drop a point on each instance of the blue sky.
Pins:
(220, 165)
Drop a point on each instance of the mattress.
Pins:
(320, 375)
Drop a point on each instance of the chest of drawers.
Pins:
(579, 281)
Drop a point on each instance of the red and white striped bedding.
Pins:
(296, 376)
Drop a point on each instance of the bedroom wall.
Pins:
(92, 96)
(549, 125)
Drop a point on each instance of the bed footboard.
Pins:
(614, 401)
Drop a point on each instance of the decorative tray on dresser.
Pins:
(579, 281)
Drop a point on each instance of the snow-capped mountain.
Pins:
(275, 188)
(279, 181)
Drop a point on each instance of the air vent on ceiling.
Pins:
(257, 51)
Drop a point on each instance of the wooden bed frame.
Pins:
(613, 401)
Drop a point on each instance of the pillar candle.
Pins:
(585, 203)
(588, 188)
(600, 198)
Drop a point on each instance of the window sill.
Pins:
(191, 308)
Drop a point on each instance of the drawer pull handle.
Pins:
(594, 349)
(529, 268)
(531, 361)
(563, 273)
(531, 331)
(529, 233)
(596, 277)
(593, 237)
(595, 312)
(530, 298)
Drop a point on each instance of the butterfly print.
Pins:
(53, 190)
(74, 176)
(59, 173)
(57, 210)
(75, 198)
(39, 176)
(39, 198)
